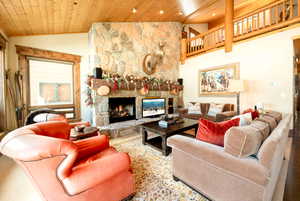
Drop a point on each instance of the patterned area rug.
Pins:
(153, 173)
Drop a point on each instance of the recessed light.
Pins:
(214, 14)
(180, 13)
(134, 10)
(161, 12)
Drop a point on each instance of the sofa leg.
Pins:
(128, 198)
(175, 178)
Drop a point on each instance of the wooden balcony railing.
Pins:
(274, 16)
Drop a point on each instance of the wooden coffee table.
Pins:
(160, 142)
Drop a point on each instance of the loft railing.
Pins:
(274, 16)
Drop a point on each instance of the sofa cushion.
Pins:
(214, 109)
(269, 120)
(194, 108)
(242, 141)
(245, 119)
(276, 115)
(262, 127)
(212, 132)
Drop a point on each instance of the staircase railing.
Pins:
(274, 16)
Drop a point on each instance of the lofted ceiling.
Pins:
(34, 17)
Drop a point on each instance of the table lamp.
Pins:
(236, 86)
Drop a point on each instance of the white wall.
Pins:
(265, 63)
(67, 43)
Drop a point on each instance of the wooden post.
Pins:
(291, 9)
(183, 50)
(298, 7)
(229, 12)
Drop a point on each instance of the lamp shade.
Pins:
(236, 86)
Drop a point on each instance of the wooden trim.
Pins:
(24, 55)
(47, 54)
(2, 90)
(52, 106)
(76, 90)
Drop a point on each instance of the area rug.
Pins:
(153, 173)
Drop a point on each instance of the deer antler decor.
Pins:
(153, 59)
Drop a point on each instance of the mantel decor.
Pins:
(130, 82)
(215, 81)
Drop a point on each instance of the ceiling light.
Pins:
(161, 12)
(180, 13)
(134, 10)
(214, 14)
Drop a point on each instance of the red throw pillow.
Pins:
(254, 113)
(213, 132)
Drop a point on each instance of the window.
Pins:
(51, 80)
(51, 83)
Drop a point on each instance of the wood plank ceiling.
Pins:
(34, 17)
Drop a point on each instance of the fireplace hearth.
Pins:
(121, 109)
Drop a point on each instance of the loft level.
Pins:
(275, 16)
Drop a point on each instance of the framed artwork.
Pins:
(215, 81)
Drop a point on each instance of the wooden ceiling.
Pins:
(34, 17)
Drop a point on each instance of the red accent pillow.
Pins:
(213, 132)
(254, 113)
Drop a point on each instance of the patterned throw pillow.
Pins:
(194, 108)
(213, 132)
(245, 119)
(214, 109)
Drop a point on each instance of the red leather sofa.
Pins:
(63, 170)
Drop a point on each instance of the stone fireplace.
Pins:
(121, 109)
(101, 107)
(121, 48)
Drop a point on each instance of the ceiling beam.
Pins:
(208, 4)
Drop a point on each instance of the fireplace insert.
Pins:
(121, 109)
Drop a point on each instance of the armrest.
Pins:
(225, 115)
(248, 168)
(91, 146)
(86, 177)
(72, 125)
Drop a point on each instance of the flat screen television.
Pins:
(152, 107)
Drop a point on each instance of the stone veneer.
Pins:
(100, 109)
(121, 48)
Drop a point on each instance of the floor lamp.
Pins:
(236, 86)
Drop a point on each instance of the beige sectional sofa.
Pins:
(232, 173)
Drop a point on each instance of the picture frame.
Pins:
(215, 80)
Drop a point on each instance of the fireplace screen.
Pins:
(121, 109)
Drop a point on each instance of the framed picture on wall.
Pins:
(215, 80)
